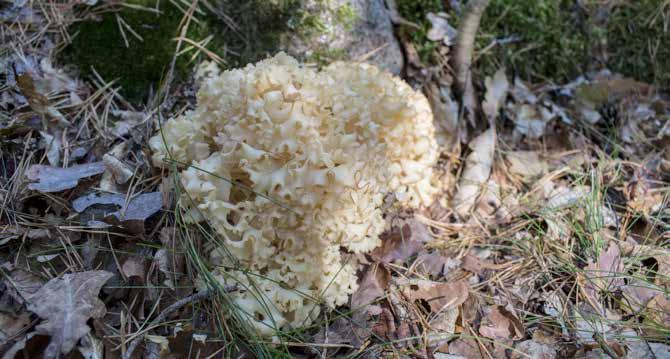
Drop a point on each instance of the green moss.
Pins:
(261, 23)
(325, 56)
(415, 11)
(638, 39)
(306, 23)
(100, 45)
(141, 65)
(548, 39)
(347, 16)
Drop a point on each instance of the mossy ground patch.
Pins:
(134, 42)
(553, 40)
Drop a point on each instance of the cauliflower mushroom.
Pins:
(314, 154)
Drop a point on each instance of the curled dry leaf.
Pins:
(496, 92)
(22, 284)
(606, 273)
(12, 352)
(169, 258)
(561, 197)
(529, 120)
(641, 349)
(371, 287)
(431, 264)
(533, 349)
(402, 242)
(52, 145)
(467, 348)
(440, 29)
(66, 304)
(476, 173)
(500, 324)
(11, 325)
(354, 331)
(133, 267)
(131, 214)
(54, 179)
(438, 295)
(526, 164)
(442, 326)
(116, 172)
(38, 102)
(121, 171)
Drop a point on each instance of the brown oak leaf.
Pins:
(66, 304)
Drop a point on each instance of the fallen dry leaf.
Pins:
(371, 287)
(170, 259)
(431, 264)
(52, 145)
(644, 350)
(22, 284)
(11, 325)
(54, 179)
(442, 326)
(660, 255)
(91, 347)
(17, 347)
(530, 121)
(139, 207)
(438, 295)
(591, 323)
(496, 92)
(477, 265)
(402, 242)
(526, 164)
(354, 331)
(130, 215)
(66, 304)
(133, 267)
(501, 325)
(659, 313)
(467, 348)
(533, 349)
(119, 170)
(638, 293)
(561, 197)
(606, 273)
(440, 29)
(477, 171)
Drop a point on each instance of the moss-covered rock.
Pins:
(330, 30)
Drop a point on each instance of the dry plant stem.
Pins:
(465, 43)
(192, 299)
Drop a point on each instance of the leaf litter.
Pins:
(553, 243)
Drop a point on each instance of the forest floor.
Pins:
(561, 249)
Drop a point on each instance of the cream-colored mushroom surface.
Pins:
(315, 152)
